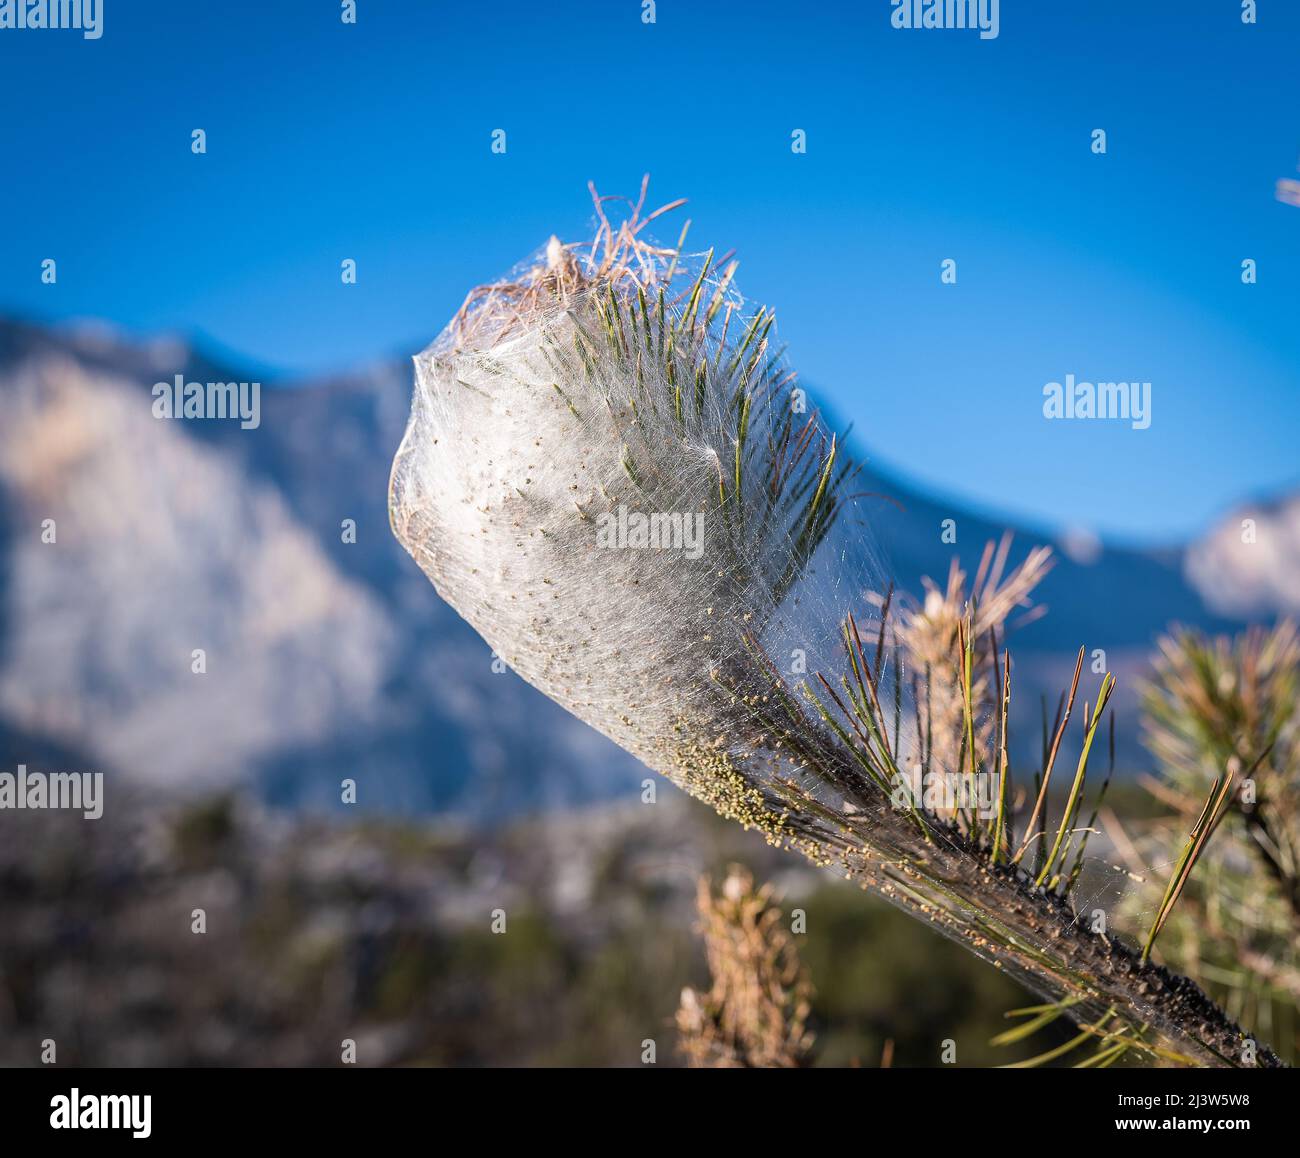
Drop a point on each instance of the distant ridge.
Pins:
(328, 660)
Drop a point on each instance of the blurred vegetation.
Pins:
(389, 933)
(382, 932)
(1214, 706)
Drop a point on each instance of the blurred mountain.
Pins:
(328, 659)
(1249, 563)
(324, 659)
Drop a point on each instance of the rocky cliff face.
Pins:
(1248, 565)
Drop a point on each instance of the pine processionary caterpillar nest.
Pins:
(610, 471)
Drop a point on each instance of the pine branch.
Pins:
(611, 473)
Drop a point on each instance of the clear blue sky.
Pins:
(372, 142)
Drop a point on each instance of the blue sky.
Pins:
(328, 141)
